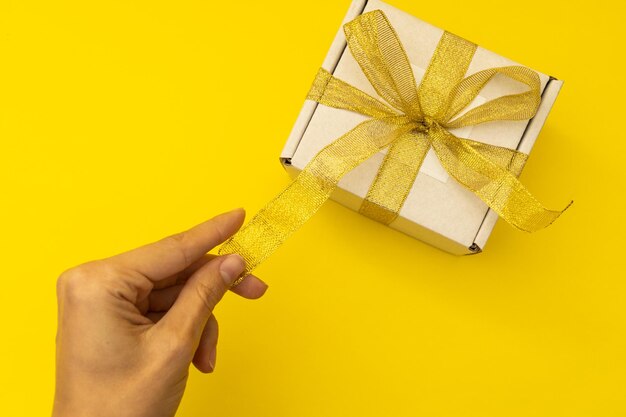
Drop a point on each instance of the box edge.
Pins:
(330, 62)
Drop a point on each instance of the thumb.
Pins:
(200, 295)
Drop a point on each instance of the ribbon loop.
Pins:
(445, 70)
(521, 106)
(333, 92)
(387, 68)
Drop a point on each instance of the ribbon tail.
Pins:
(395, 178)
(492, 183)
(290, 209)
(508, 159)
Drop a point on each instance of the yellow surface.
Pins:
(115, 129)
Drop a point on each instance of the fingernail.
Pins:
(212, 357)
(231, 268)
(234, 210)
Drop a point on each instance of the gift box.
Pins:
(414, 127)
(437, 210)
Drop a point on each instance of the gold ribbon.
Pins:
(410, 122)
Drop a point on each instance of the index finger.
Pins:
(174, 253)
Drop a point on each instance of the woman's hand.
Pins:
(130, 325)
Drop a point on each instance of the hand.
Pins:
(131, 325)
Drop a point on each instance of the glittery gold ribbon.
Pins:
(409, 122)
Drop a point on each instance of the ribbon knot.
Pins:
(409, 122)
(424, 124)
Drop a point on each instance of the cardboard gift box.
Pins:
(438, 210)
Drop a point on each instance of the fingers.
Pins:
(200, 294)
(204, 358)
(173, 254)
(251, 287)
(162, 300)
(155, 317)
(205, 355)
(184, 275)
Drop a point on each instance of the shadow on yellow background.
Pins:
(124, 121)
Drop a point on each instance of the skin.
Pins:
(131, 325)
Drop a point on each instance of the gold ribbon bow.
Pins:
(412, 121)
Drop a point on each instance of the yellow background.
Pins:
(116, 128)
